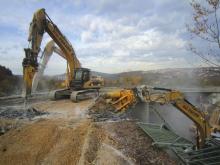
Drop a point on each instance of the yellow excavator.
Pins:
(121, 100)
(79, 85)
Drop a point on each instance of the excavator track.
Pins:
(59, 94)
(74, 96)
(84, 94)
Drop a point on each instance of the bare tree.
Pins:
(205, 30)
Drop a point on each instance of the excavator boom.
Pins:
(122, 99)
(177, 99)
(40, 24)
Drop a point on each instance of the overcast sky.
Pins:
(108, 35)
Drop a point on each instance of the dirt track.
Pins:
(68, 136)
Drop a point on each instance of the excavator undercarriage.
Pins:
(79, 88)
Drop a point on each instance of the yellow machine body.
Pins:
(122, 99)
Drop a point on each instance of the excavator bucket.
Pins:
(28, 77)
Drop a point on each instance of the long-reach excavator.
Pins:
(49, 49)
(78, 78)
(121, 100)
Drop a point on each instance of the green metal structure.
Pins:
(163, 136)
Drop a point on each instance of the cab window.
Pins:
(78, 75)
(86, 76)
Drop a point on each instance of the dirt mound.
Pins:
(84, 142)
(49, 142)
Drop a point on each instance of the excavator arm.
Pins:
(177, 99)
(122, 99)
(40, 24)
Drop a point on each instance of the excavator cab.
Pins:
(81, 76)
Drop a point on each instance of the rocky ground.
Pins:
(62, 132)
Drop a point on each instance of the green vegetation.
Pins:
(9, 83)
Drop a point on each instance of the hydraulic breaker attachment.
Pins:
(29, 68)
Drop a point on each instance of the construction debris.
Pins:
(207, 156)
(128, 138)
(102, 111)
(14, 117)
(21, 113)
